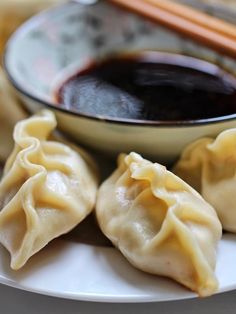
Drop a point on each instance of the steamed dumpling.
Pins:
(11, 112)
(159, 223)
(15, 12)
(209, 165)
(46, 190)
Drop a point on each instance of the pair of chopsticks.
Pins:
(200, 27)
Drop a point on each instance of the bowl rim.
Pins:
(26, 26)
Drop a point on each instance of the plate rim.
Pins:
(94, 297)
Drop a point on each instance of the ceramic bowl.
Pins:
(64, 38)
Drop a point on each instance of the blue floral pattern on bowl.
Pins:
(67, 37)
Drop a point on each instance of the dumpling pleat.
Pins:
(160, 224)
(46, 190)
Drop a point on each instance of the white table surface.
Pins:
(14, 301)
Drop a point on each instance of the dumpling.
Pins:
(11, 112)
(159, 223)
(47, 189)
(209, 166)
(15, 12)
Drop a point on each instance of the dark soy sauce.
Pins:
(150, 86)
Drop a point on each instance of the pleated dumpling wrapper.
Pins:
(209, 166)
(46, 190)
(159, 223)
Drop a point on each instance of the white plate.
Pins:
(78, 271)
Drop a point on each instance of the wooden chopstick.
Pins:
(216, 34)
(197, 17)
